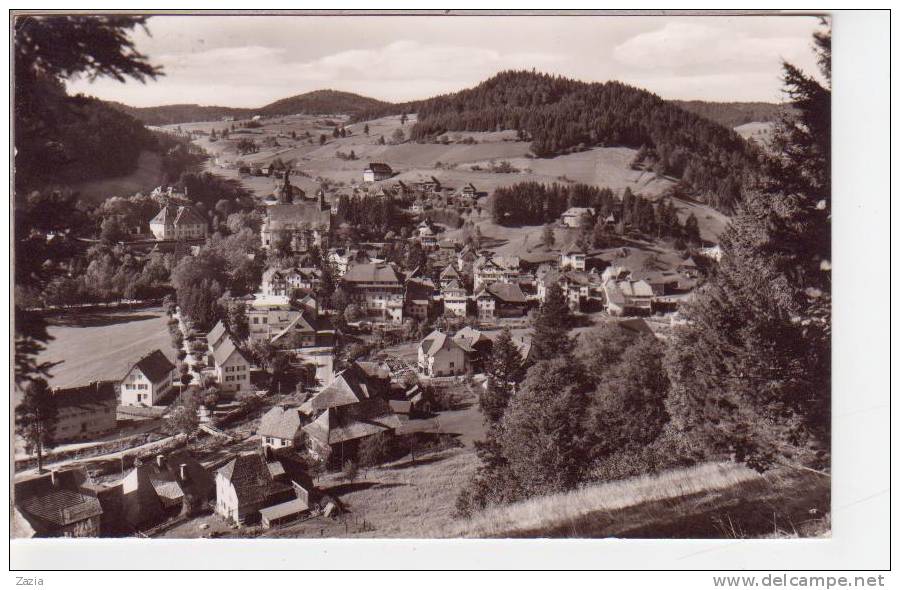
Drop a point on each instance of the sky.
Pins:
(250, 61)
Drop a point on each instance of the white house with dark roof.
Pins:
(280, 427)
(232, 369)
(283, 281)
(572, 257)
(178, 222)
(247, 484)
(495, 300)
(441, 356)
(148, 380)
(377, 171)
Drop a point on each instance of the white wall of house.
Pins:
(234, 373)
(455, 306)
(573, 261)
(159, 231)
(84, 421)
(190, 231)
(277, 443)
(226, 499)
(487, 307)
(444, 363)
(136, 389)
(266, 322)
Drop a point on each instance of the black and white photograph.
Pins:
(425, 275)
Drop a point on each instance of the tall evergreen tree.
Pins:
(751, 369)
(504, 370)
(551, 326)
(36, 418)
(543, 437)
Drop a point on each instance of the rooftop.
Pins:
(371, 273)
(155, 366)
(97, 392)
(280, 422)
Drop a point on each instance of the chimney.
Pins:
(160, 461)
(182, 471)
(321, 199)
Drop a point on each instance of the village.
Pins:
(345, 383)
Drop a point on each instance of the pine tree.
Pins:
(751, 369)
(36, 419)
(551, 326)
(504, 371)
(543, 438)
(548, 237)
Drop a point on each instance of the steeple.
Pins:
(286, 191)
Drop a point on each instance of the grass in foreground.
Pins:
(712, 500)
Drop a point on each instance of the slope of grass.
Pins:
(712, 500)
(146, 176)
(407, 499)
(103, 344)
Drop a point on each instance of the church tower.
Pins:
(286, 190)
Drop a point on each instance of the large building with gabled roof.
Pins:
(178, 222)
(306, 223)
(377, 288)
(353, 407)
(149, 379)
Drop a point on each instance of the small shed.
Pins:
(283, 513)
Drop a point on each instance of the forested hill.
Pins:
(323, 102)
(171, 114)
(63, 139)
(560, 115)
(318, 102)
(733, 114)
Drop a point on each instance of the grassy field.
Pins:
(147, 176)
(452, 163)
(712, 500)
(103, 344)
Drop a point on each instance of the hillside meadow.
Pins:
(99, 345)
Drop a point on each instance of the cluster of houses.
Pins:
(366, 399)
(85, 412)
(441, 355)
(255, 487)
